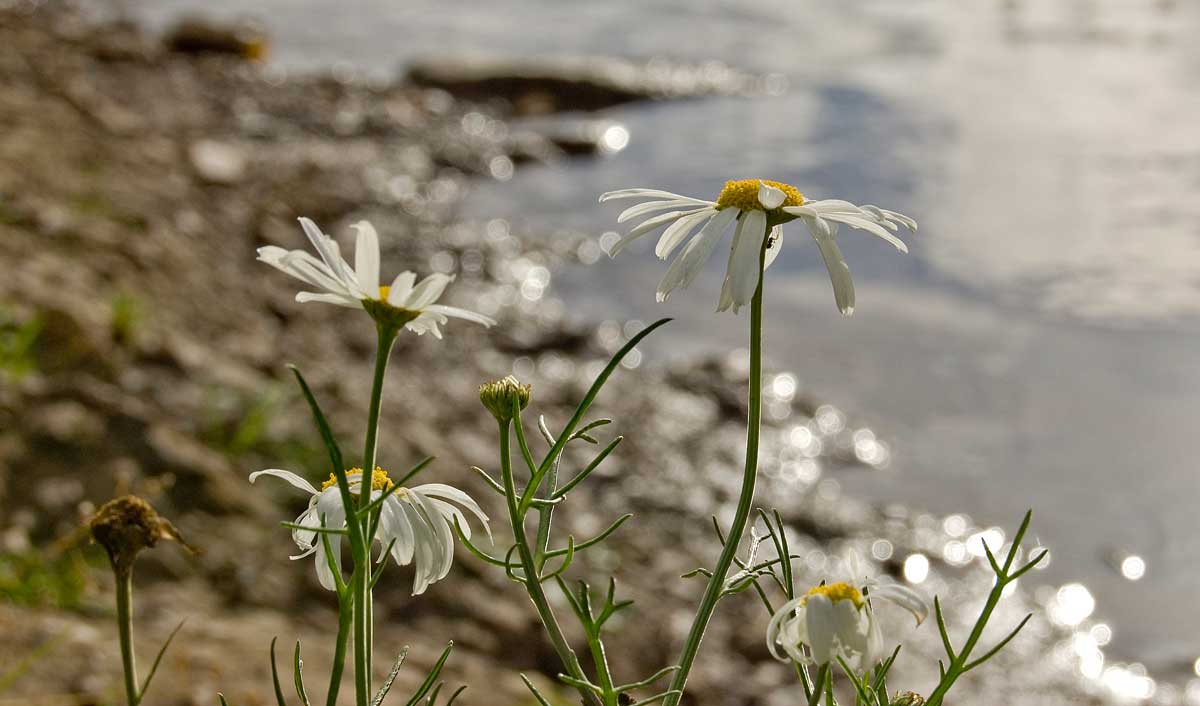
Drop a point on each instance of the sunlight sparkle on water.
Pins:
(1072, 604)
(916, 568)
(1133, 567)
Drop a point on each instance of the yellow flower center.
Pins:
(742, 194)
(384, 290)
(379, 479)
(839, 591)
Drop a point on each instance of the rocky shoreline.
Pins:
(136, 181)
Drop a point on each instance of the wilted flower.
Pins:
(419, 519)
(498, 396)
(404, 303)
(760, 208)
(837, 620)
(127, 525)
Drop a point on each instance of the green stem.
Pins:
(363, 637)
(125, 632)
(345, 619)
(716, 583)
(533, 584)
(819, 687)
(956, 666)
(603, 674)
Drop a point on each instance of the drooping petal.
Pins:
(774, 245)
(661, 220)
(441, 490)
(678, 231)
(839, 273)
(786, 613)
(869, 226)
(402, 532)
(745, 273)
(458, 313)
(902, 596)
(366, 257)
(645, 193)
(329, 298)
(286, 476)
(688, 264)
(652, 206)
(822, 627)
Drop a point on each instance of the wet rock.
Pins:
(543, 86)
(198, 36)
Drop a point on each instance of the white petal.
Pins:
(745, 273)
(461, 314)
(327, 248)
(839, 273)
(366, 258)
(339, 299)
(689, 263)
(442, 537)
(785, 613)
(869, 226)
(441, 490)
(287, 476)
(402, 532)
(401, 288)
(904, 597)
(644, 193)
(428, 291)
(658, 221)
(652, 206)
(822, 627)
(775, 244)
(770, 197)
(678, 231)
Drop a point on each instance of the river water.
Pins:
(1040, 346)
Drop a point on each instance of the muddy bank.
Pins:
(136, 184)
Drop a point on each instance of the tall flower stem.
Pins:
(716, 584)
(533, 585)
(125, 632)
(361, 579)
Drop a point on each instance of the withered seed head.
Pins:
(127, 525)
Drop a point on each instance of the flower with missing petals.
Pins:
(416, 522)
(404, 303)
(837, 620)
(759, 208)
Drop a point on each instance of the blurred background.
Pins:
(1037, 348)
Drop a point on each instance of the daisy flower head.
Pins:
(420, 520)
(405, 303)
(757, 208)
(837, 620)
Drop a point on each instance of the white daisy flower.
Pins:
(837, 620)
(405, 302)
(760, 208)
(419, 519)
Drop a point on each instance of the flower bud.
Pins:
(498, 397)
(908, 698)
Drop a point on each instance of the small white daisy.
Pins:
(836, 620)
(760, 208)
(419, 519)
(405, 302)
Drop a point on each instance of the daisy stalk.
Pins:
(405, 304)
(716, 583)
